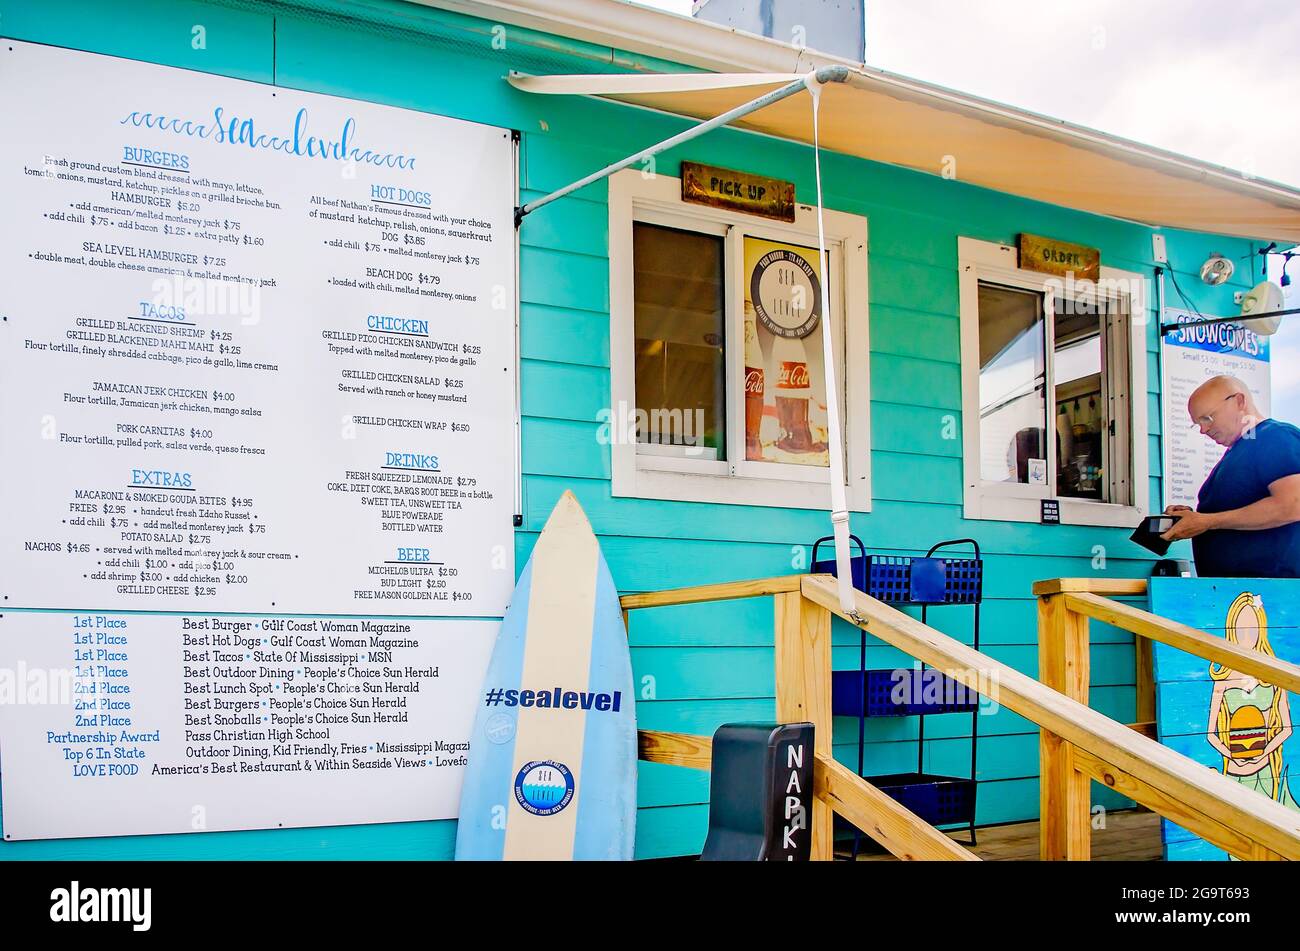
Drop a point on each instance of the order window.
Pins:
(681, 317)
(718, 375)
(1048, 379)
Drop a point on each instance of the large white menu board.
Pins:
(258, 348)
(257, 360)
(1191, 355)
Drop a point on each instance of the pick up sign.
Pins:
(739, 191)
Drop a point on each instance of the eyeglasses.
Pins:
(1208, 419)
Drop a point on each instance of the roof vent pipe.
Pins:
(835, 27)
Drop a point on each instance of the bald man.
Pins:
(1247, 518)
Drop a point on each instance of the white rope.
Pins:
(839, 502)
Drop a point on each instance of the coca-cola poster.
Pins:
(784, 372)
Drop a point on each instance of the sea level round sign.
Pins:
(786, 293)
(544, 787)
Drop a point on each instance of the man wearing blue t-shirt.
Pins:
(1247, 518)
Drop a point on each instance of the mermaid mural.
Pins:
(1250, 720)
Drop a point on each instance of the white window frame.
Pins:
(990, 262)
(660, 474)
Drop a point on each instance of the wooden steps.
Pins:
(1131, 835)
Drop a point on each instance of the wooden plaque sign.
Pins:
(1059, 257)
(725, 188)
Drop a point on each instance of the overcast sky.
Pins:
(1217, 81)
(1214, 80)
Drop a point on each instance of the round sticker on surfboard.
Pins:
(544, 787)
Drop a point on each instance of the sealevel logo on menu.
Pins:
(234, 130)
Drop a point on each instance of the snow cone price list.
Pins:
(257, 376)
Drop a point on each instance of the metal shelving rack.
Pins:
(927, 582)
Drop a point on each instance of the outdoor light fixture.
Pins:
(1216, 269)
(1265, 299)
(1261, 312)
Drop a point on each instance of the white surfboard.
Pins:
(552, 758)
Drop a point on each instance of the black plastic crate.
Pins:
(849, 699)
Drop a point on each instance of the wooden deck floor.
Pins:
(1129, 836)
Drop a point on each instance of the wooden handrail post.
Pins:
(1145, 678)
(803, 691)
(1064, 830)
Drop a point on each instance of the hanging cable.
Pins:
(839, 502)
(1186, 300)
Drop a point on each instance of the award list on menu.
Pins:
(132, 724)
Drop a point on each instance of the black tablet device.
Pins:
(1149, 531)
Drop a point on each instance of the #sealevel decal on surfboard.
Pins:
(552, 761)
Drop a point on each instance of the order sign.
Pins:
(258, 348)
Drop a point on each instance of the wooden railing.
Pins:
(1215, 808)
(1078, 745)
(803, 693)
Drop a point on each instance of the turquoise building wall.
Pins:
(713, 663)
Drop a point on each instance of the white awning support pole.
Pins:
(812, 82)
(827, 74)
(834, 430)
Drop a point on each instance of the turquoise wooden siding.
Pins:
(697, 667)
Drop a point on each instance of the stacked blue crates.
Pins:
(926, 582)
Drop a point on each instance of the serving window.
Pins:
(1054, 389)
(718, 382)
(680, 318)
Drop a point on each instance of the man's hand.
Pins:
(1189, 524)
(1280, 507)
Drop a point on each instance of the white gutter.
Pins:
(711, 46)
